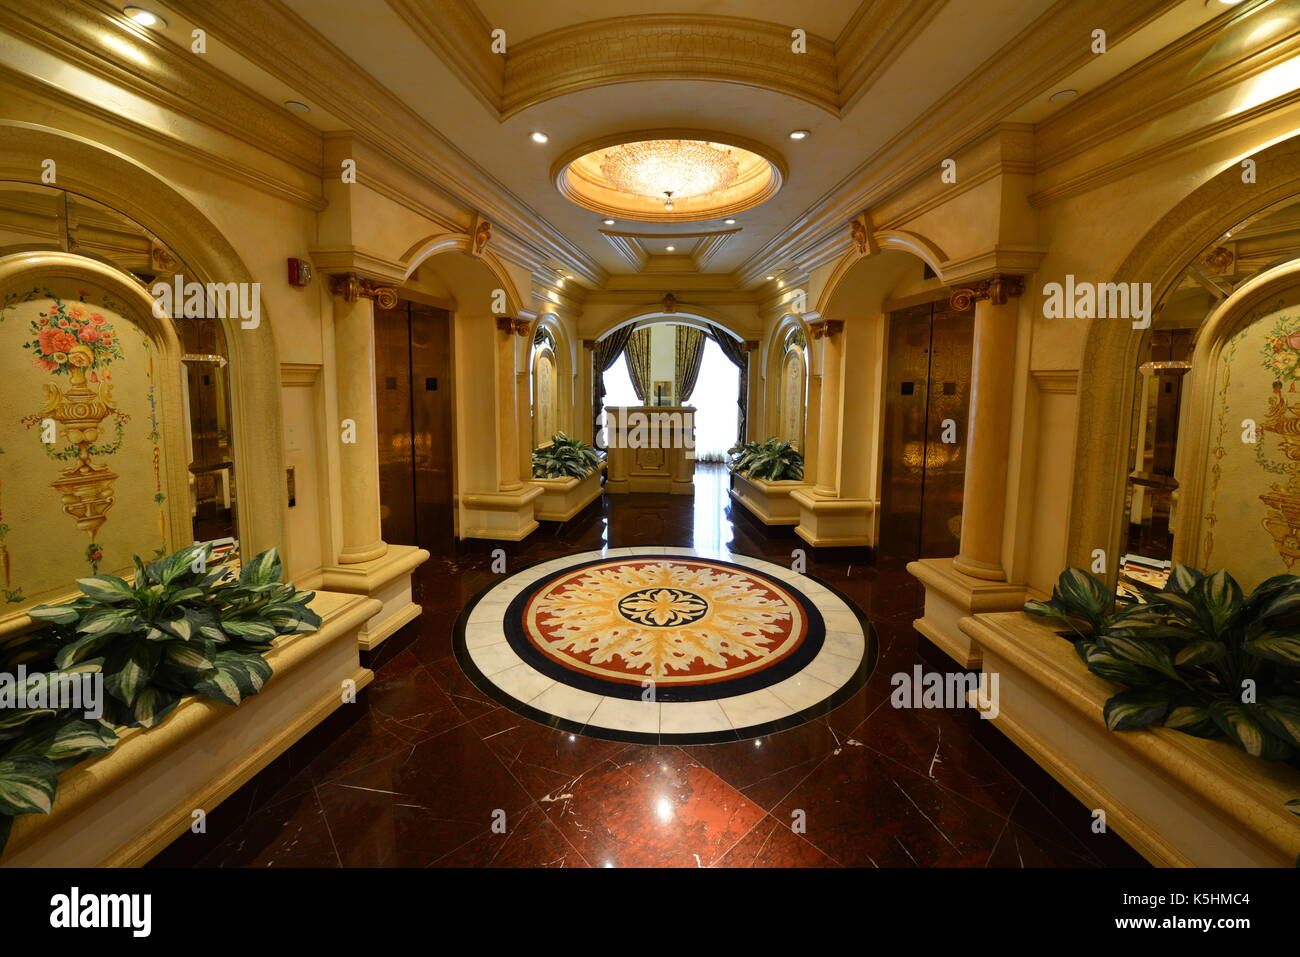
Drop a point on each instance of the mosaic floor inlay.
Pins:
(668, 645)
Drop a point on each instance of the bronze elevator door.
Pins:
(413, 390)
(927, 393)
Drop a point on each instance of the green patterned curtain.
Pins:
(603, 356)
(690, 350)
(735, 350)
(638, 363)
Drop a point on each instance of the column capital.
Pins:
(589, 343)
(510, 326)
(751, 345)
(351, 287)
(996, 289)
(827, 327)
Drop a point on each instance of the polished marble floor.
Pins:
(430, 771)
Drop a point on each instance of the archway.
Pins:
(1097, 511)
(107, 177)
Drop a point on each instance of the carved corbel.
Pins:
(996, 290)
(863, 235)
(669, 304)
(517, 327)
(353, 287)
(827, 327)
(482, 234)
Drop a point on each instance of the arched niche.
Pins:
(1239, 464)
(93, 439)
(787, 376)
(1113, 350)
(105, 176)
(546, 393)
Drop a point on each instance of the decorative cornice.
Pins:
(1044, 52)
(831, 75)
(331, 79)
(669, 46)
(186, 84)
(1218, 54)
(996, 290)
(352, 287)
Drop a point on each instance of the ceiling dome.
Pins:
(669, 176)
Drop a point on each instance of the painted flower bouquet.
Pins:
(1281, 350)
(72, 338)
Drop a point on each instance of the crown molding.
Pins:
(17, 82)
(832, 75)
(1212, 58)
(174, 78)
(325, 74)
(1039, 55)
(661, 46)
(875, 35)
(633, 247)
(459, 33)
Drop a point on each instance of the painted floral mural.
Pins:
(1281, 355)
(79, 442)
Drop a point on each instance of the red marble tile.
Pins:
(528, 841)
(544, 760)
(291, 833)
(941, 745)
(1021, 848)
(771, 845)
(464, 695)
(766, 769)
(652, 807)
(410, 809)
(864, 810)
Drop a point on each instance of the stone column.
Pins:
(584, 412)
(830, 332)
(507, 409)
(988, 434)
(812, 426)
(753, 418)
(354, 362)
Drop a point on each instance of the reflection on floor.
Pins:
(418, 773)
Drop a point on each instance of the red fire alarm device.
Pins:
(299, 272)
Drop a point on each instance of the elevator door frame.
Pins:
(408, 299)
(935, 305)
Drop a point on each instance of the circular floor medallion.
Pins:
(664, 644)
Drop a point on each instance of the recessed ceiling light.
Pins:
(730, 222)
(609, 222)
(799, 135)
(567, 276)
(296, 106)
(670, 248)
(537, 136)
(769, 278)
(146, 18)
(1060, 96)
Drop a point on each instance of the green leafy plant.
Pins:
(1197, 656)
(565, 458)
(178, 628)
(772, 460)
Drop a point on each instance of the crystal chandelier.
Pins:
(678, 168)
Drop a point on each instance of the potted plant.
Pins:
(179, 628)
(772, 460)
(756, 468)
(1197, 656)
(565, 458)
(568, 471)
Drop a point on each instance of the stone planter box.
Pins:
(563, 498)
(121, 808)
(769, 502)
(1178, 800)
